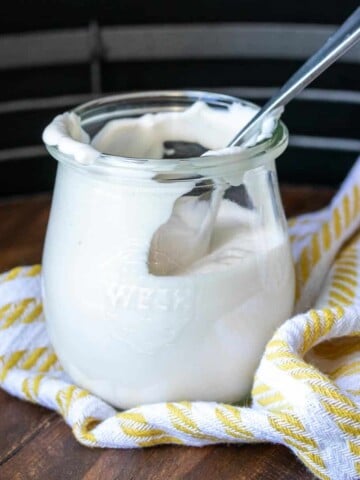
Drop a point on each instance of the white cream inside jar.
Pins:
(160, 291)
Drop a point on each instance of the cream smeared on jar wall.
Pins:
(143, 137)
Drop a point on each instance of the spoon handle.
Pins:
(336, 45)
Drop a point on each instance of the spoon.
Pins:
(196, 234)
(336, 45)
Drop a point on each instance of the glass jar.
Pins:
(163, 279)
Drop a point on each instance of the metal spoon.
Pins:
(196, 237)
(336, 45)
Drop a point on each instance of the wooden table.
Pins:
(36, 444)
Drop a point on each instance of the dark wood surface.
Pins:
(36, 444)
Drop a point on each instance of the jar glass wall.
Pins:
(163, 279)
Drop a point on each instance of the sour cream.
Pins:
(152, 293)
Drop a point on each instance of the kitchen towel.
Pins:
(306, 391)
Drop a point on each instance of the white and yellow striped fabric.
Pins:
(306, 392)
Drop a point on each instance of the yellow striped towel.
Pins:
(306, 392)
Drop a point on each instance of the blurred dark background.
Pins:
(55, 54)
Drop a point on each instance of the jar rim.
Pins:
(248, 158)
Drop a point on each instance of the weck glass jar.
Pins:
(165, 272)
